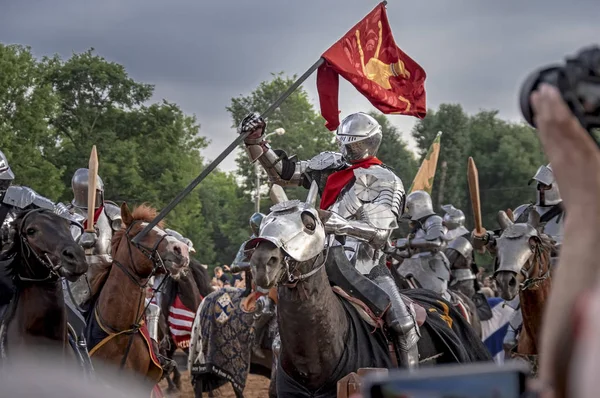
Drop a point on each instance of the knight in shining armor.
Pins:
(425, 263)
(97, 244)
(265, 305)
(459, 249)
(361, 203)
(15, 198)
(548, 205)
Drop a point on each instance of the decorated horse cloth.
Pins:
(365, 348)
(450, 326)
(494, 330)
(180, 321)
(97, 336)
(225, 334)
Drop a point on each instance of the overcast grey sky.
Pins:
(199, 53)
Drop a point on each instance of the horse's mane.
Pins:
(144, 213)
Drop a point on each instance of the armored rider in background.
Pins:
(107, 217)
(423, 251)
(265, 305)
(548, 205)
(459, 242)
(15, 198)
(361, 202)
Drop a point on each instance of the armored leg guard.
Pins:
(400, 318)
(264, 313)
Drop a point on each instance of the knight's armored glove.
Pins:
(88, 240)
(338, 225)
(480, 242)
(254, 123)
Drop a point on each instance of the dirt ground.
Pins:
(256, 387)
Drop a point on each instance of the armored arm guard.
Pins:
(25, 197)
(433, 237)
(375, 201)
(113, 213)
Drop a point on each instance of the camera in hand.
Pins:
(578, 81)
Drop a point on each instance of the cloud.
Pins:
(200, 54)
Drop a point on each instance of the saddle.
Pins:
(370, 301)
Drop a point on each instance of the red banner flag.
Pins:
(368, 57)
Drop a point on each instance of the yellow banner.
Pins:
(424, 179)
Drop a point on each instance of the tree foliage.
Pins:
(55, 110)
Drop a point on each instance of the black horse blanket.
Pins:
(451, 333)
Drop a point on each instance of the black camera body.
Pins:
(578, 81)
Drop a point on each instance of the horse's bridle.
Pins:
(290, 278)
(27, 250)
(158, 264)
(530, 281)
(150, 253)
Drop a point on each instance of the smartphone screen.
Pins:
(452, 382)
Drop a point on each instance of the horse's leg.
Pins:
(198, 386)
(177, 378)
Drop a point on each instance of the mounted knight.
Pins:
(361, 203)
(15, 198)
(548, 205)
(459, 252)
(97, 244)
(424, 263)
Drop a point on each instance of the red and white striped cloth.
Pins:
(180, 323)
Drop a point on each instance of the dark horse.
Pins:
(191, 288)
(33, 314)
(323, 338)
(116, 333)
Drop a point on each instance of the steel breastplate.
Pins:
(361, 254)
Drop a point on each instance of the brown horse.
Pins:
(523, 268)
(116, 333)
(42, 252)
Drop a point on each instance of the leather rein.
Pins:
(142, 282)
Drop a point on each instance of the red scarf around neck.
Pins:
(97, 213)
(338, 180)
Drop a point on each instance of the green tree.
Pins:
(507, 156)
(305, 136)
(26, 102)
(453, 122)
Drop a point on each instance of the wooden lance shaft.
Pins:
(92, 178)
(473, 179)
(239, 139)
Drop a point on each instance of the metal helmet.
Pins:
(6, 174)
(79, 184)
(255, 221)
(547, 189)
(359, 136)
(454, 218)
(418, 205)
